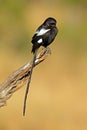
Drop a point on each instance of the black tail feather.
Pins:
(35, 47)
(29, 80)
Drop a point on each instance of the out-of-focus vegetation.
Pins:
(58, 93)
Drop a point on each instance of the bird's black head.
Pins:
(50, 22)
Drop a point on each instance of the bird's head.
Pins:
(50, 22)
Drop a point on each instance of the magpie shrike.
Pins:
(44, 35)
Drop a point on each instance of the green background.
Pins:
(58, 92)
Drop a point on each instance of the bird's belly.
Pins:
(47, 41)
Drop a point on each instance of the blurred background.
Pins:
(57, 98)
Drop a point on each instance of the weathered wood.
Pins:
(18, 78)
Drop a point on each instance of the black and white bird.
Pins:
(44, 35)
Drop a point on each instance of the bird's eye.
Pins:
(52, 24)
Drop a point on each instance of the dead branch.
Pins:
(18, 78)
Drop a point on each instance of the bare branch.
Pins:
(18, 78)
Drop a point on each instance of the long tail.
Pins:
(28, 84)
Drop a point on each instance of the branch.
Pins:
(18, 78)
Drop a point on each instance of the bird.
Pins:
(43, 36)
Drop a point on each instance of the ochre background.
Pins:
(57, 98)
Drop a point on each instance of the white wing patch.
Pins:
(42, 31)
(39, 41)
